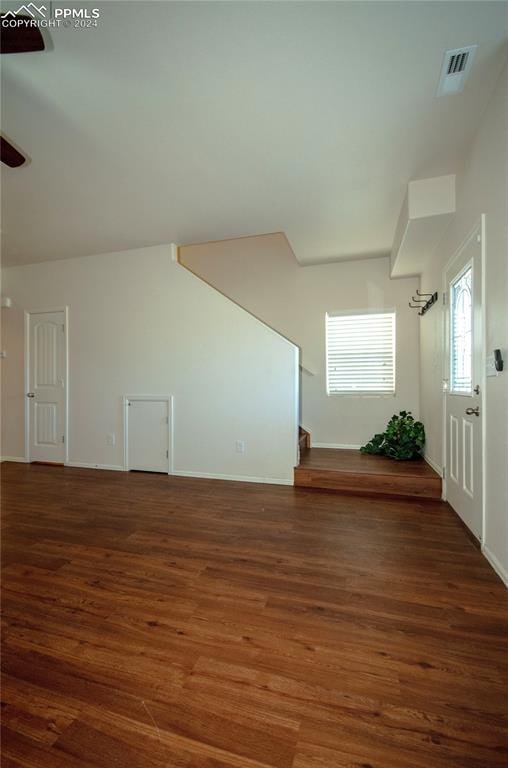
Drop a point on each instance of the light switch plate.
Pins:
(491, 366)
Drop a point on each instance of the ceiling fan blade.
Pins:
(20, 39)
(9, 155)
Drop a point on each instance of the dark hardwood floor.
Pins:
(156, 622)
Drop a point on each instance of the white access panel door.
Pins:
(147, 424)
(47, 383)
(463, 399)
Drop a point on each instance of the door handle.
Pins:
(30, 394)
(475, 411)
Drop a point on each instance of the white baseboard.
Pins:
(87, 465)
(238, 478)
(341, 446)
(501, 572)
(179, 473)
(434, 466)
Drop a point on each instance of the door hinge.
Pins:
(167, 419)
(444, 473)
(63, 438)
(444, 297)
(167, 454)
(63, 328)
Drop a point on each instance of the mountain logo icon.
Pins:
(36, 12)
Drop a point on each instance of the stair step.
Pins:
(347, 471)
(303, 439)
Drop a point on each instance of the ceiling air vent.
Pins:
(455, 69)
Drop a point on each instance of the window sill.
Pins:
(459, 394)
(377, 395)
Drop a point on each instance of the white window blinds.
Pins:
(360, 353)
(461, 333)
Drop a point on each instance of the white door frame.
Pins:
(479, 230)
(28, 313)
(154, 398)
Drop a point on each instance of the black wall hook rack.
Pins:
(424, 301)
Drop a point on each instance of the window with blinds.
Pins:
(360, 353)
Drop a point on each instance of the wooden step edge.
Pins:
(363, 483)
(370, 494)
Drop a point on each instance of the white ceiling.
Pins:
(189, 121)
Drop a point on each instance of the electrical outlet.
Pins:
(111, 439)
(240, 446)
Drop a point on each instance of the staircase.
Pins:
(241, 271)
(303, 440)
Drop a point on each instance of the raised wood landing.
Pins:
(158, 622)
(354, 472)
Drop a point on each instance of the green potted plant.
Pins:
(402, 440)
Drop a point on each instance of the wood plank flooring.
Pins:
(157, 622)
(349, 471)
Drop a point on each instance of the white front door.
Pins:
(463, 406)
(147, 426)
(47, 384)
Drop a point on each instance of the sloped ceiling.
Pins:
(189, 121)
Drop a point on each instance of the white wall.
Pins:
(140, 323)
(262, 275)
(482, 187)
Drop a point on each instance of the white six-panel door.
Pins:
(47, 385)
(463, 398)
